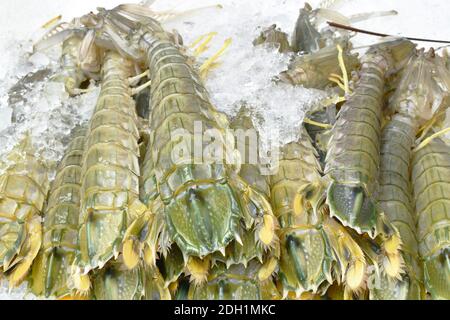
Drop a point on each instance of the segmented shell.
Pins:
(60, 229)
(23, 189)
(201, 210)
(110, 173)
(395, 198)
(431, 181)
(305, 262)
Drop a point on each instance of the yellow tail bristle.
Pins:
(355, 275)
(32, 246)
(393, 262)
(317, 124)
(149, 256)
(82, 283)
(203, 46)
(348, 294)
(343, 69)
(267, 232)
(298, 205)
(211, 62)
(267, 269)
(393, 245)
(200, 39)
(393, 265)
(198, 269)
(427, 141)
(130, 255)
(173, 287)
(19, 273)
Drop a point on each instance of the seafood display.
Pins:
(161, 196)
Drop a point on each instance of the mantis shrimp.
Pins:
(245, 271)
(302, 268)
(308, 38)
(251, 170)
(430, 177)
(200, 210)
(430, 182)
(311, 242)
(415, 100)
(51, 270)
(80, 58)
(110, 171)
(317, 64)
(23, 189)
(352, 161)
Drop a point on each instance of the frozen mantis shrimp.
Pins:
(430, 177)
(246, 267)
(353, 158)
(308, 38)
(395, 200)
(51, 269)
(311, 242)
(247, 248)
(314, 70)
(201, 210)
(23, 189)
(416, 99)
(110, 171)
(306, 257)
(80, 58)
(318, 64)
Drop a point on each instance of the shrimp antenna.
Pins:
(442, 47)
(341, 26)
